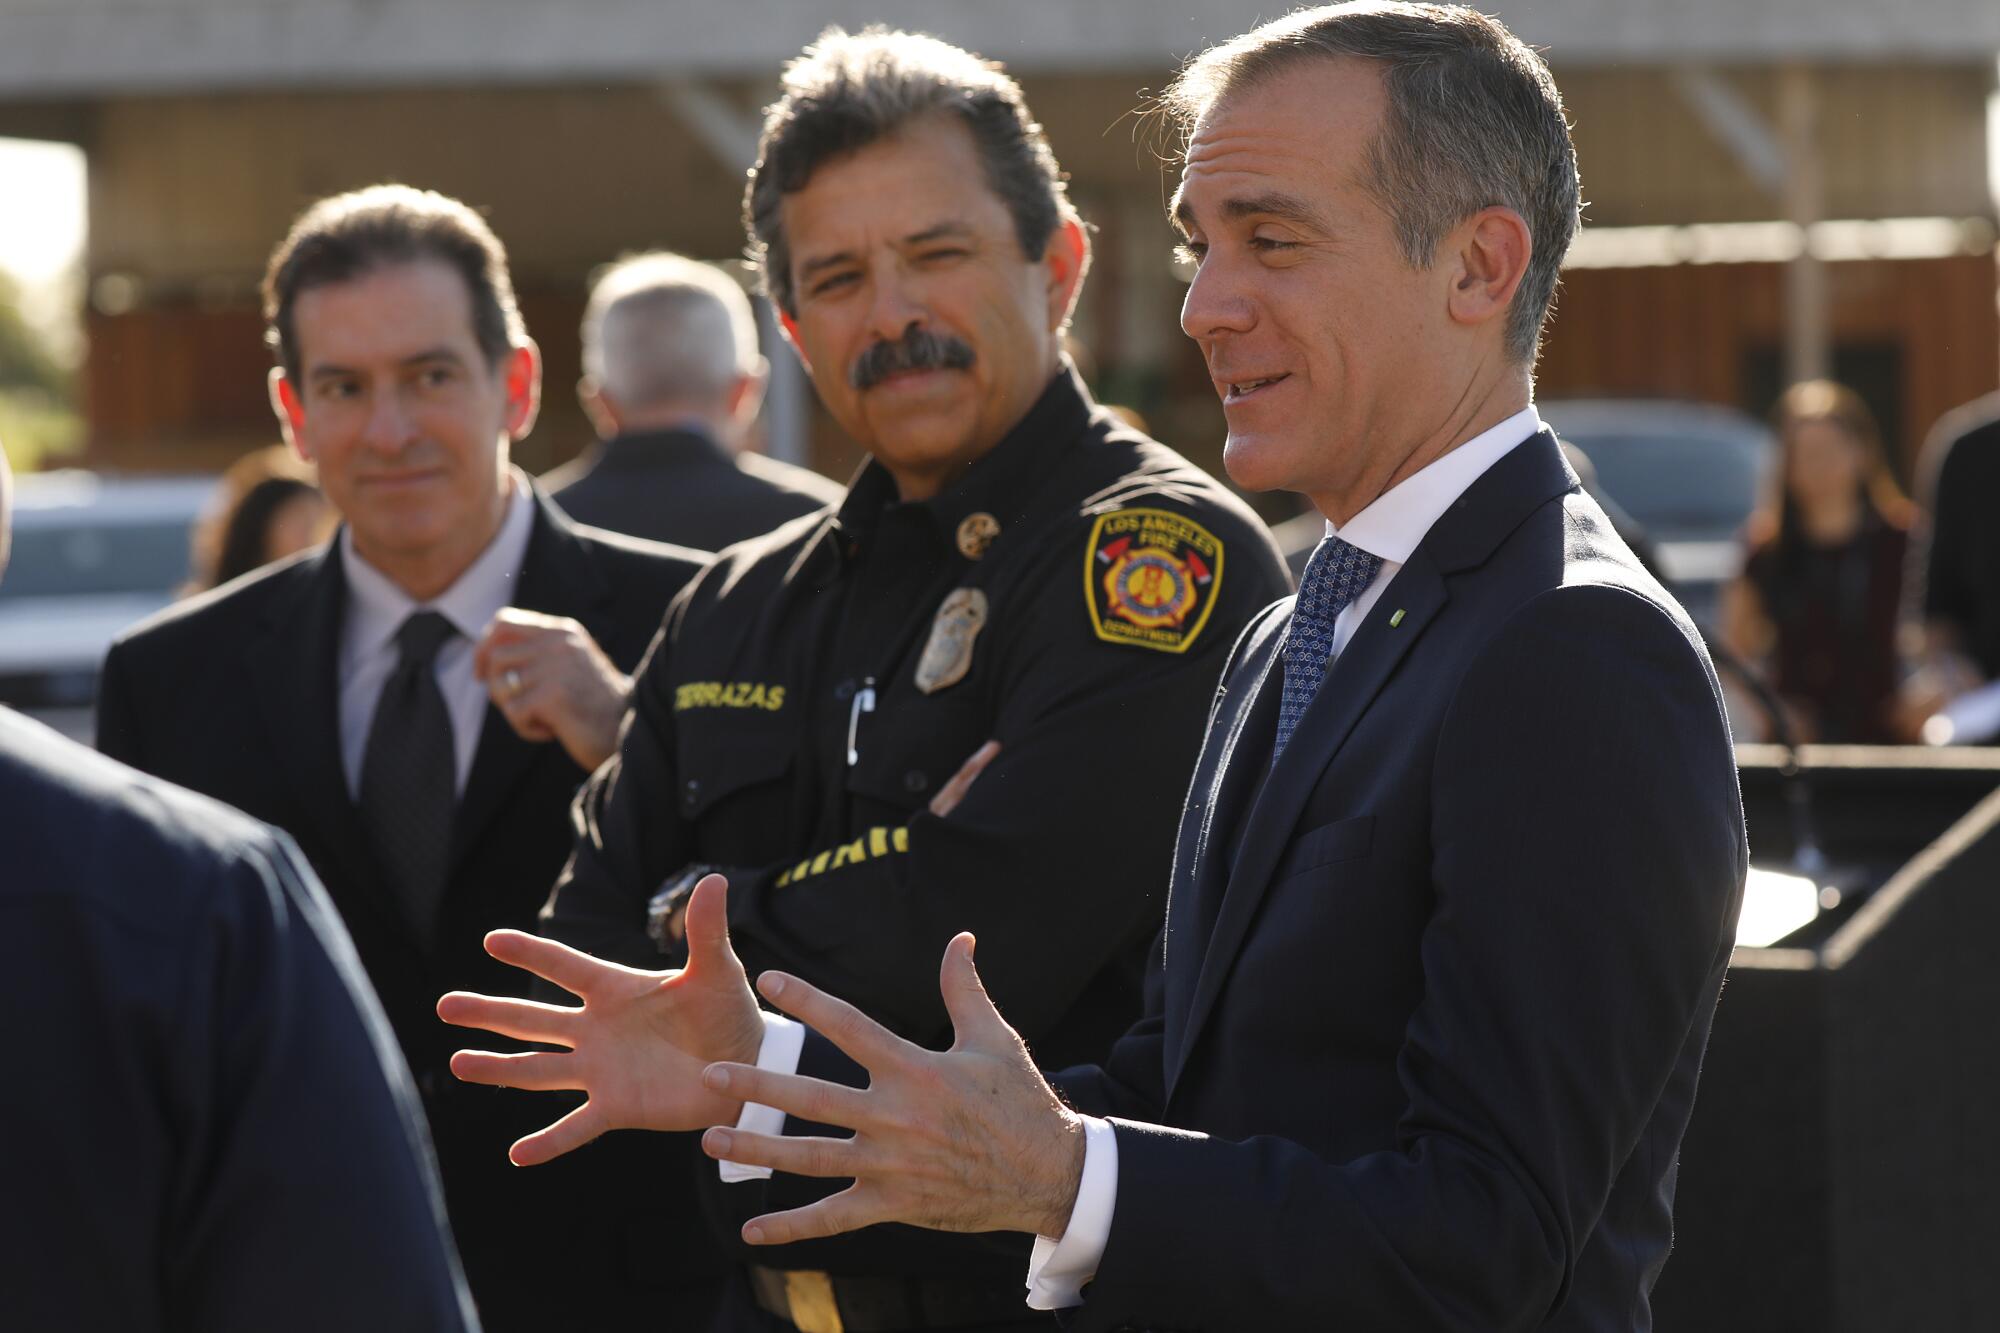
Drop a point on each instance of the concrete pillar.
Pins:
(1808, 322)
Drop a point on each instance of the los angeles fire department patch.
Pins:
(1151, 578)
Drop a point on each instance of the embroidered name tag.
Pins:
(728, 694)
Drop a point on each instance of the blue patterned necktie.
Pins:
(1338, 573)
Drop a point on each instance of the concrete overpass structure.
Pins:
(595, 126)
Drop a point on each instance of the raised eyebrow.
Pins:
(950, 228)
(444, 354)
(1275, 204)
(812, 266)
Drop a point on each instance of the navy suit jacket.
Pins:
(208, 1125)
(1433, 990)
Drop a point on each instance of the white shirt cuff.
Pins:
(1058, 1269)
(778, 1053)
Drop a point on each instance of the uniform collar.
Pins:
(1391, 526)
(1000, 483)
(377, 608)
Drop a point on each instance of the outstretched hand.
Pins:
(636, 1046)
(969, 1139)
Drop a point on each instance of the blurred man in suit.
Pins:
(1457, 876)
(672, 380)
(208, 1123)
(1952, 584)
(417, 702)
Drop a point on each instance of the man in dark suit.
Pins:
(361, 697)
(209, 1125)
(672, 381)
(1458, 873)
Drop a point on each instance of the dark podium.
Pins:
(1842, 1170)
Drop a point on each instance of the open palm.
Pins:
(637, 1044)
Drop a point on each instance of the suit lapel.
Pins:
(294, 670)
(1358, 675)
(1464, 537)
(1224, 787)
(559, 578)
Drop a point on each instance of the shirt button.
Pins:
(691, 792)
(913, 781)
(843, 691)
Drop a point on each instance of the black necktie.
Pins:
(409, 770)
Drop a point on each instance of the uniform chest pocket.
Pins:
(722, 757)
(906, 750)
(1342, 840)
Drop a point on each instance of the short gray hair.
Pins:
(1473, 120)
(848, 90)
(661, 328)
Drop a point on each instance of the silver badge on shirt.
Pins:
(948, 652)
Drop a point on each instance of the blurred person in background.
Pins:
(1954, 575)
(268, 508)
(418, 702)
(208, 1124)
(672, 381)
(1817, 603)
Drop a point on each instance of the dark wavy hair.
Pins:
(346, 236)
(848, 90)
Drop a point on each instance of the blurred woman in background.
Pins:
(1816, 606)
(267, 508)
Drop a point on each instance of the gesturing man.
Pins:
(1456, 880)
(417, 703)
(972, 693)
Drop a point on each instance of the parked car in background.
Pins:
(1689, 473)
(92, 554)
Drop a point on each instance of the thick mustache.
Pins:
(917, 349)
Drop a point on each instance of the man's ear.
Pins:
(1489, 258)
(291, 412)
(1065, 260)
(791, 328)
(522, 369)
(746, 395)
(601, 411)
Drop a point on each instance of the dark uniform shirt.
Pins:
(1961, 567)
(686, 487)
(1073, 596)
(813, 690)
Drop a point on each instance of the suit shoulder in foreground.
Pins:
(210, 1127)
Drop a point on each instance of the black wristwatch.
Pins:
(665, 908)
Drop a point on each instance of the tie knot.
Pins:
(420, 636)
(1338, 572)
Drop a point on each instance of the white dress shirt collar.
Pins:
(377, 608)
(1397, 520)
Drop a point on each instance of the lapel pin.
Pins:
(1396, 619)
